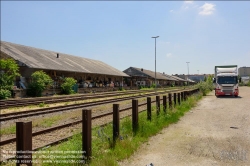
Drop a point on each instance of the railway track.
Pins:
(4, 142)
(17, 115)
(72, 124)
(4, 104)
(75, 124)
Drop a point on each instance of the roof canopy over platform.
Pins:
(50, 60)
(134, 71)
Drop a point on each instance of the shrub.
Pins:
(153, 86)
(8, 73)
(69, 82)
(40, 81)
(206, 86)
(4, 93)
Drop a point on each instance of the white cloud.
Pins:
(207, 9)
(189, 2)
(169, 55)
(171, 11)
(188, 5)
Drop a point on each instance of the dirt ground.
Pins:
(215, 132)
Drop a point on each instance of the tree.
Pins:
(69, 82)
(9, 70)
(40, 81)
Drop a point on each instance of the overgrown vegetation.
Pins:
(67, 85)
(9, 70)
(40, 81)
(206, 85)
(5, 93)
(105, 153)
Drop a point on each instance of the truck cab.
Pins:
(226, 81)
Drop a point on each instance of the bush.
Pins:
(5, 94)
(153, 86)
(206, 86)
(40, 81)
(8, 72)
(69, 82)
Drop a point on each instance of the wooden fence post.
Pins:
(182, 96)
(170, 104)
(24, 143)
(165, 103)
(135, 115)
(185, 95)
(179, 98)
(174, 99)
(116, 122)
(86, 134)
(149, 114)
(158, 105)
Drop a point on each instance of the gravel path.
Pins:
(215, 132)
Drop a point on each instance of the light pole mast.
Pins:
(188, 72)
(155, 58)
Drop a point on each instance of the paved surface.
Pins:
(215, 132)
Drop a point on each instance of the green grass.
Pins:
(8, 130)
(105, 153)
(47, 122)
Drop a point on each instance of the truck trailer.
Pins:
(226, 80)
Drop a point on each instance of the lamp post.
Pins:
(198, 72)
(188, 72)
(155, 59)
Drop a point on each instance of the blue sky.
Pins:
(204, 33)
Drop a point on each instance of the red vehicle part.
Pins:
(218, 92)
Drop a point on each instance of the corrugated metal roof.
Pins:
(44, 59)
(170, 78)
(152, 74)
(178, 78)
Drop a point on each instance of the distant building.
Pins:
(140, 76)
(244, 71)
(89, 73)
(195, 77)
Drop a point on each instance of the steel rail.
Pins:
(48, 100)
(16, 115)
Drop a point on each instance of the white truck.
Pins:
(226, 80)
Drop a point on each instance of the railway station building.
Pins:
(192, 77)
(144, 77)
(91, 75)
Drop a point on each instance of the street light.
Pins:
(198, 72)
(188, 72)
(155, 59)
